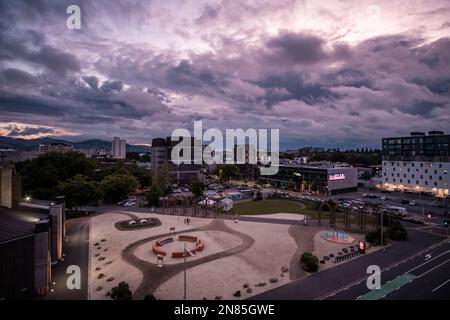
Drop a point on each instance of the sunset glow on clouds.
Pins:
(325, 73)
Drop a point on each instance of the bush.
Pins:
(309, 262)
(121, 292)
(397, 232)
(149, 297)
(374, 237)
(259, 196)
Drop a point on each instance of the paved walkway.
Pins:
(154, 276)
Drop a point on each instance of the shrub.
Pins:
(149, 297)
(397, 232)
(309, 262)
(374, 237)
(121, 292)
(259, 195)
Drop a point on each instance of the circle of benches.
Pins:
(157, 247)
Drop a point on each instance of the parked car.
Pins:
(129, 204)
(412, 203)
(403, 201)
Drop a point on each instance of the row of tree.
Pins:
(80, 179)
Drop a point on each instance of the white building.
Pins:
(418, 163)
(119, 148)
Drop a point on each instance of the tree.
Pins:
(227, 172)
(121, 292)
(162, 179)
(117, 187)
(79, 191)
(397, 232)
(153, 196)
(144, 177)
(197, 188)
(309, 262)
(42, 175)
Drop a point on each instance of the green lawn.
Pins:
(269, 206)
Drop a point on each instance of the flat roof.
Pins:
(17, 224)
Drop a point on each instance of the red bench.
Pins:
(159, 251)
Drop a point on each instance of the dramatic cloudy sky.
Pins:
(330, 73)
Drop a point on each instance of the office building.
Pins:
(182, 173)
(321, 179)
(119, 148)
(419, 162)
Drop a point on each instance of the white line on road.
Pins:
(426, 272)
(441, 285)
(428, 261)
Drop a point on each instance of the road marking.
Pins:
(388, 287)
(396, 264)
(428, 261)
(432, 269)
(441, 285)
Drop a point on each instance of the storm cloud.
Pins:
(334, 75)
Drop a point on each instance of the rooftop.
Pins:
(17, 224)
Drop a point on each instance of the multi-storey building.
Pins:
(55, 147)
(419, 162)
(181, 173)
(119, 148)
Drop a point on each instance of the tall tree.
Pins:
(79, 191)
(117, 187)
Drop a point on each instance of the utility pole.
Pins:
(184, 254)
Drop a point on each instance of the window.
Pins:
(417, 182)
(386, 179)
(440, 165)
(435, 184)
(393, 180)
(412, 164)
(440, 178)
(431, 177)
(413, 176)
(426, 170)
(426, 183)
(435, 172)
(409, 181)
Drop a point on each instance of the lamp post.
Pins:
(443, 192)
(184, 254)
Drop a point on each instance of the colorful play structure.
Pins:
(338, 237)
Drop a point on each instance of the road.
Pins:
(426, 276)
(337, 280)
(76, 252)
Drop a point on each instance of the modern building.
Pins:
(55, 147)
(119, 148)
(419, 162)
(181, 173)
(31, 239)
(323, 180)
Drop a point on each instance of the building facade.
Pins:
(181, 173)
(119, 148)
(315, 179)
(55, 147)
(419, 162)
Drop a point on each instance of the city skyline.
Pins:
(332, 74)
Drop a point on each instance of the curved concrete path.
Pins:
(154, 276)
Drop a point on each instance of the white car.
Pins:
(412, 203)
(383, 198)
(129, 204)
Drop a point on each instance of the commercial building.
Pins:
(324, 180)
(119, 148)
(31, 239)
(419, 162)
(55, 147)
(181, 173)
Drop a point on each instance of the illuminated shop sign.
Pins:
(336, 176)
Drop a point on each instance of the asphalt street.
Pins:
(76, 252)
(331, 282)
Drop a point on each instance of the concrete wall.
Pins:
(42, 268)
(56, 213)
(6, 179)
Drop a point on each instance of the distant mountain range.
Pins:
(33, 144)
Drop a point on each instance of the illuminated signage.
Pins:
(362, 246)
(336, 176)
